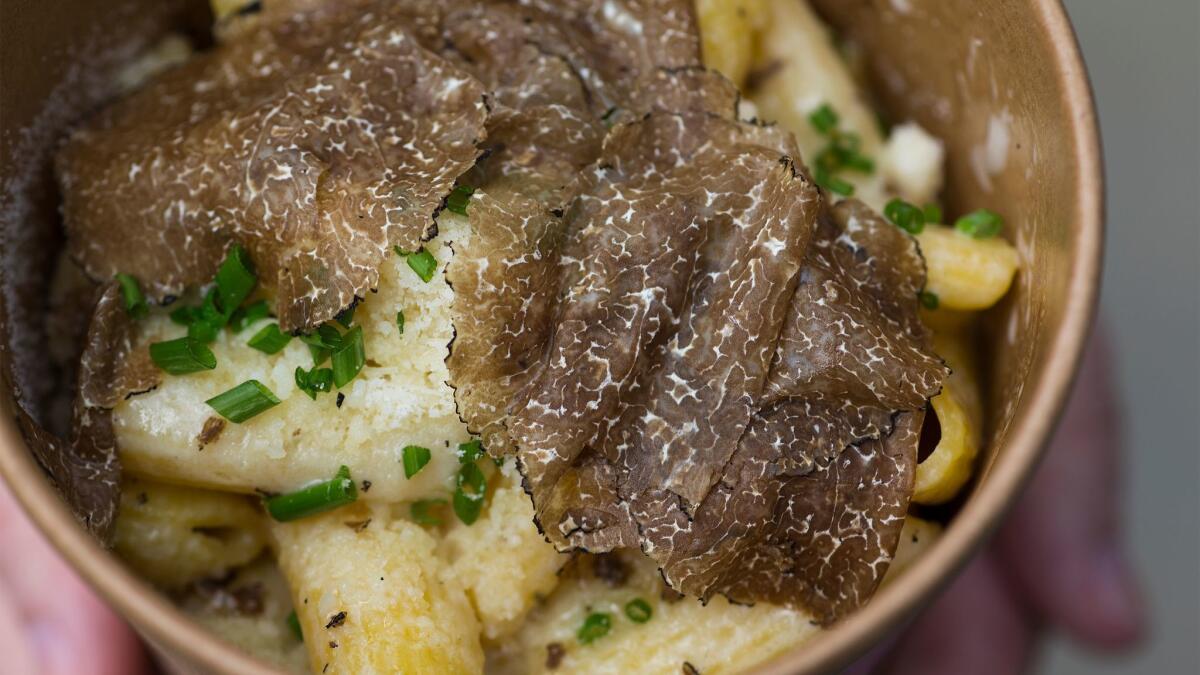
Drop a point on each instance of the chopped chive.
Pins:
(832, 183)
(182, 356)
(638, 610)
(131, 292)
(594, 627)
(933, 213)
(400, 321)
(346, 316)
(322, 342)
(470, 451)
(421, 511)
(981, 224)
(314, 499)
(415, 458)
(905, 216)
(244, 316)
(293, 623)
(315, 381)
(459, 199)
(824, 119)
(202, 331)
(184, 316)
(243, 401)
(469, 493)
(349, 357)
(929, 299)
(235, 279)
(269, 339)
(423, 263)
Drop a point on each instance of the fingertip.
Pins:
(1117, 616)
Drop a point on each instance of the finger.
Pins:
(1061, 545)
(976, 626)
(65, 628)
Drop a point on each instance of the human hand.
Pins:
(51, 623)
(1057, 562)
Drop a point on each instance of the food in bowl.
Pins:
(488, 335)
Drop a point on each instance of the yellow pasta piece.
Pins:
(224, 8)
(175, 535)
(716, 638)
(264, 633)
(966, 273)
(502, 560)
(949, 466)
(806, 70)
(372, 596)
(916, 537)
(729, 35)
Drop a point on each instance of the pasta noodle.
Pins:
(373, 597)
(175, 535)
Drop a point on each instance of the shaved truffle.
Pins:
(318, 142)
(87, 470)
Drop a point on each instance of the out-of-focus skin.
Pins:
(1057, 563)
(51, 623)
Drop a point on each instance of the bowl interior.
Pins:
(1000, 81)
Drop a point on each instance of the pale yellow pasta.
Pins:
(717, 638)
(916, 537)
(175, 535)
(729, 32)
(805, 71)
(966, 273)
(502, 561)
(943, 473)
(262, 631)
(400, 398)
(372, 596)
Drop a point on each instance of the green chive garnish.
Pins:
(929, 300)
(594, 627)
(415, 458)
(315, 381)
(293, 623)
(131, 292)
(346, 316)
(824, 119)
(314, 499)
(243, 401)
(469, 493)
(981, 224)
(833, 183)
(905, 216)
(459, 199)
(202, 331)
(470, 451)
(423, 263)
(400, 321)
(610, 117)
(349, 357)
(244, 316)
(235, 279)
(933, 213)
(184, 316)
(638, 610)
(269, 339)
(322, 342)
(182, 356)
(421, 511)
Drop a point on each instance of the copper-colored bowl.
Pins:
(1005, 69)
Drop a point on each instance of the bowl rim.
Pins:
(161, 623)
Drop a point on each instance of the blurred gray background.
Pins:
(1145, 65)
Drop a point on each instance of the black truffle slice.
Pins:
(86, 470)
(682, 248)
(318, 142)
